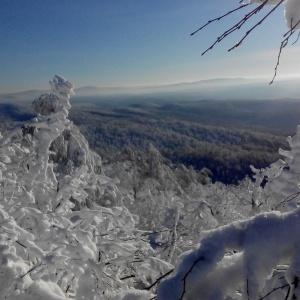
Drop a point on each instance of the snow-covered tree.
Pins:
(257, 258)
(58, 239)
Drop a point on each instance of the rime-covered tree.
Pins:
(257, 258)
(58, 239)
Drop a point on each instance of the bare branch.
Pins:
(248, 289)
(68, 287)
(127, 277)
(221, 17)
(257, 24)
(297, 39)
(288, 198)
(237, 26)
(275, 289)
(21, 244)
(158, 280)
(241, 23)
(187, 274)
(287, 36)
(33, 268)
(288, 293)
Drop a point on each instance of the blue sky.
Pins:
(133, 42)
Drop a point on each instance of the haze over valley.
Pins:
(224, 135)
(212, 89)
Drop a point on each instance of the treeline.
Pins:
(226, 152)
(11, 115)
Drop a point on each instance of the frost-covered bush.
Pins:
(237, 261)
(283, 178)
(173, 204)
(48, 248)
(252, 259)
(257, 258)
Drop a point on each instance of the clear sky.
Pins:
(133, 42)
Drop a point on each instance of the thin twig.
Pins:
(297, 39)
(68, 287)
(257, 24)
(187, 274)
(295, 283)
(248, 288)
(288, 198)
(127, 277)
(275, 289)
(21, 244)
(33, 268)
(155, 232)
(219, 18)
(288, 293)
(158, 280)
(283, 44)
(237, 26)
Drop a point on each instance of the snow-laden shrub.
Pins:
(252, 259)
(173, 205)
(48, 248)
(283, 177)
(238, 260)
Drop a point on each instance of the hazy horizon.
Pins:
(214, 89)
(139, 43)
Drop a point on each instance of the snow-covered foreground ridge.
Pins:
(60, 238)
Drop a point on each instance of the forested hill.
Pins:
(223, 136)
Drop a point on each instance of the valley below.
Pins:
(223, 136)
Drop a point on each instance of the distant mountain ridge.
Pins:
(20, 97)
(217, 89)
